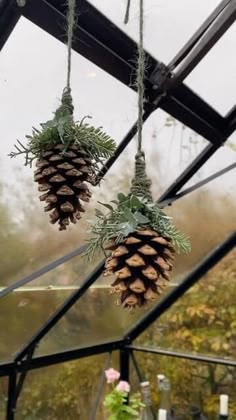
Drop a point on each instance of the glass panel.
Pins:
(225, 184)
(65, 391)
(31, 76)
(193, 384)
(22, 313)
(204, 319)
(67, 275)
(170, 147)
(94, 319)
(214, 76)
(168, 24)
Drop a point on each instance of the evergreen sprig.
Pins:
(62, 129)
(127, 214)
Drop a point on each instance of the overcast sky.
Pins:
(32, 77)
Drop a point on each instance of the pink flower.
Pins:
(112, 375)
(123, 386)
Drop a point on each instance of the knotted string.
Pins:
(141, 184)
(66, 107)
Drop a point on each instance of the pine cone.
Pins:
(61, 178)
(141, 264)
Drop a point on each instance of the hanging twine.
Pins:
(66, 107)
(141, 184)
(70, 29)
(126, 20)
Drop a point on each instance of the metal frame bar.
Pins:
(222, 22)
(39, 362)
(183, 355)
(186, 175)
(199, 184)
(198, 34)
(9, 16)
(124, 363)
(11, 402)
(140, 376)
(24, 373)
(208, 262)
(231, 121)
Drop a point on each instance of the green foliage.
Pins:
(129, 214)
(62, 129)
(115, 401)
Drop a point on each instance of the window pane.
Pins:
(168, 24)
(204, 319)
(67, 275)
(94, 319)
(64, 391)
(22, 313)
(214, 76)
(193, 384)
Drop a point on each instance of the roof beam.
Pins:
(113, 51)
(9, 16)
(39, 362)
(220, 25)
(198, 34)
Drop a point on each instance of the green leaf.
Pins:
(140, 218)
(129, 215)
(108, 206)
(121, 197)
(127, 228)
(99, 214)
(135, 202)
(61, 131)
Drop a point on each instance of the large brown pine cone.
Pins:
(61, 178)
(142, 265)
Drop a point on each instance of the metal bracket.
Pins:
(160, 80)
(160, 76)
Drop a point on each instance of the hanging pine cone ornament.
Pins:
(142, 242)
(67, 153)
(67, 156)
(141, 263)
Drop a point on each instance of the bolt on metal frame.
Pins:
(112, 50)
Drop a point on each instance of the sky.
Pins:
(33, 73)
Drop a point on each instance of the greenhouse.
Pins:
(118, 299)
